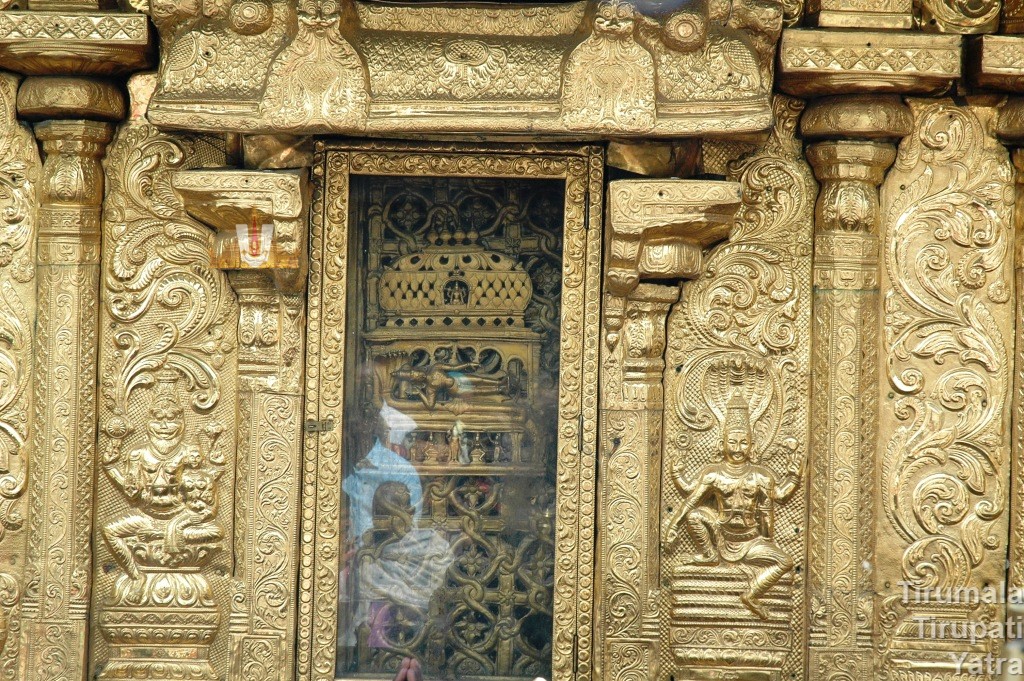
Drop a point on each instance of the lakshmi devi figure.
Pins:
(729, 509)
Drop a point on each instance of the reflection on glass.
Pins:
(451, 428)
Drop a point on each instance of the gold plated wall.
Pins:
(790, 394)
(20, 172)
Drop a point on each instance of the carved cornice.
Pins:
(818, 62)
(997, 62)
(597, 68)
(71, 43)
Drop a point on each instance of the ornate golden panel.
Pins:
(20, 172)
(593, 66)
(944, 397)
(580, 170)
(738, 360)
(162, 576)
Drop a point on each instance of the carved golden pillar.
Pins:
(64, 444)
(260, 219)
(657, 231)
(945, 390)
(845, 372)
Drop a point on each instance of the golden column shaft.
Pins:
(61, 477)
(845, 371)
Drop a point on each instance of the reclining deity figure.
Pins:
(170, 483)
(729, 509)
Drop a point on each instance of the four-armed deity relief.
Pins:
(169, 534)
(729, 509)
(171, 485)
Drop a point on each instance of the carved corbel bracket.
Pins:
(259, 218)
(659, 229)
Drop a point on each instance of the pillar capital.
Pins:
(860, 116)
(63, 97)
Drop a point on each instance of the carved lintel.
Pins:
(67, 257)
(593, 67)
(882, 14)
(71, 42)
(659, 228)
(996, 62)
(819, 62)
(259, 218)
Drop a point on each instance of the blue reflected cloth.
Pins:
(380, 465)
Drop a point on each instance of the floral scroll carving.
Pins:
(738, 354)
(167, 384)
(946, 349)
(19, 175)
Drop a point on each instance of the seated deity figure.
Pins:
(171, 485)
(729, 507)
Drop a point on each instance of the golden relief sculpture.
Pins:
(944, 402)
(734, 502)
(684, 343)
(355, 67)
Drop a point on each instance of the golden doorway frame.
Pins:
(582, 170)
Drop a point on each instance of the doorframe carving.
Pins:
(582, 169)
